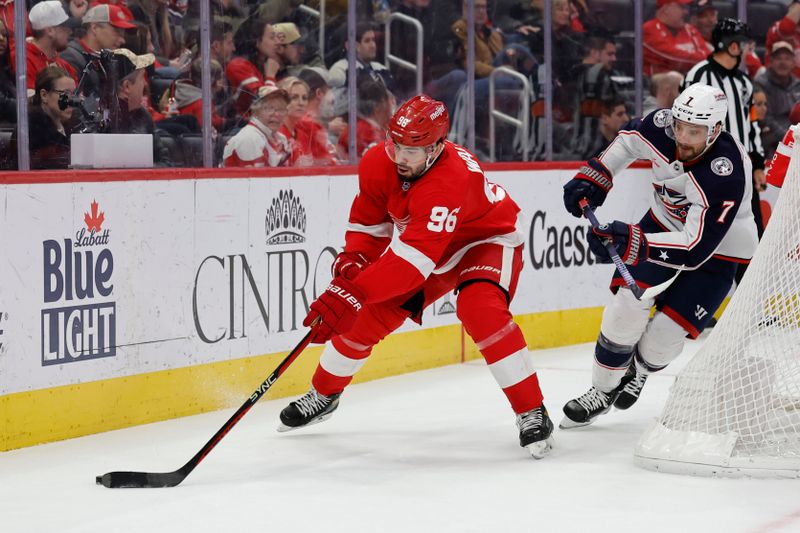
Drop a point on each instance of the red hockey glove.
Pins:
(629, 240)
(337, 308)
(349, 265)
(593, 181)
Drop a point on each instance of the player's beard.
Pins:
(688, 153)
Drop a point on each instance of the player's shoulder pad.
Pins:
(656, 129)
(724, 159)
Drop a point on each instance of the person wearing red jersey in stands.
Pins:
(375, 105)
(260, 143)
(670, 43)
(786, 29)
(456, 231)
(308, 138)
(50, 36)
(257, 64)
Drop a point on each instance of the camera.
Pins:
(90, 122)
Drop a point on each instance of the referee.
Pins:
(721, 70)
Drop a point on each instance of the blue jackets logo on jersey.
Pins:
(722, 166)
(662, 118)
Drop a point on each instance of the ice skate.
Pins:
(633, 383)
(583, 410)
(535, 428)
(309, 409)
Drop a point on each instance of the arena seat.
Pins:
(174, 149)
(192, 147)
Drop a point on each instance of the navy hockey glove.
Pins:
(349, 265)
(337, 308)
(593, 181)
(629, 240)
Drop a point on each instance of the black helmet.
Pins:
(727, 31)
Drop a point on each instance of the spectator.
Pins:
(488, 40)
(307, 138)
(375, 108)
(613, 115)
(155, 15)
(258, 64)
(104, 28)
(320, 113)
(138, 40)
(222, 45)
(188, 94)
(50, 36)
(76, 9)
(366, 52)
(131, 114)
(664, 89)
(122, 4)
(7, 17)
(260, 143)
(292, 128)
(782, 89)
(48, 134)
(8, 89)
(222, 49)
(596, 80)
(770, 137)
(703, 16)
(289, 48)
(786, 29)
(670, 43)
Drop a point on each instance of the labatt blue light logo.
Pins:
(77, 273)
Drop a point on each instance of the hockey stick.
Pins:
(612, 251)
(114, 480)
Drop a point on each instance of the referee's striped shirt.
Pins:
(739, 90)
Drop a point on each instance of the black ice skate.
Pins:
(633, 383)
(535, 428)
(585, 408)
(309, 409)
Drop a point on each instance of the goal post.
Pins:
(734, 410)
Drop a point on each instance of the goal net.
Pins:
(734, 410)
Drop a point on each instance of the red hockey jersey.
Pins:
(439, 217)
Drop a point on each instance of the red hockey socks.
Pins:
(483, 310)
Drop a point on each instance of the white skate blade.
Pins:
(540, 449)
(568, 423)
(283, 428)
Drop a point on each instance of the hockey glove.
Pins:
(593, 181)
(337, 309)
(349, 265)
(629, 240)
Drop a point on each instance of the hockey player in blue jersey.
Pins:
(698, 227)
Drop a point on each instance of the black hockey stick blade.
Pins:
(121, 480)
(146, 480)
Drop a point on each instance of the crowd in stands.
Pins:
(280, 94)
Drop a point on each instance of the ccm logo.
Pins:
(346, 296)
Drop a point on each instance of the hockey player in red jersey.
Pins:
(456, 231)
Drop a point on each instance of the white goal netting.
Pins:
(735, 409)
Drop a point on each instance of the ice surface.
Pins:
(431, 451)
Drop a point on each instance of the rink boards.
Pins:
(130, 297)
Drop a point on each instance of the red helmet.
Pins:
(421, 121)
